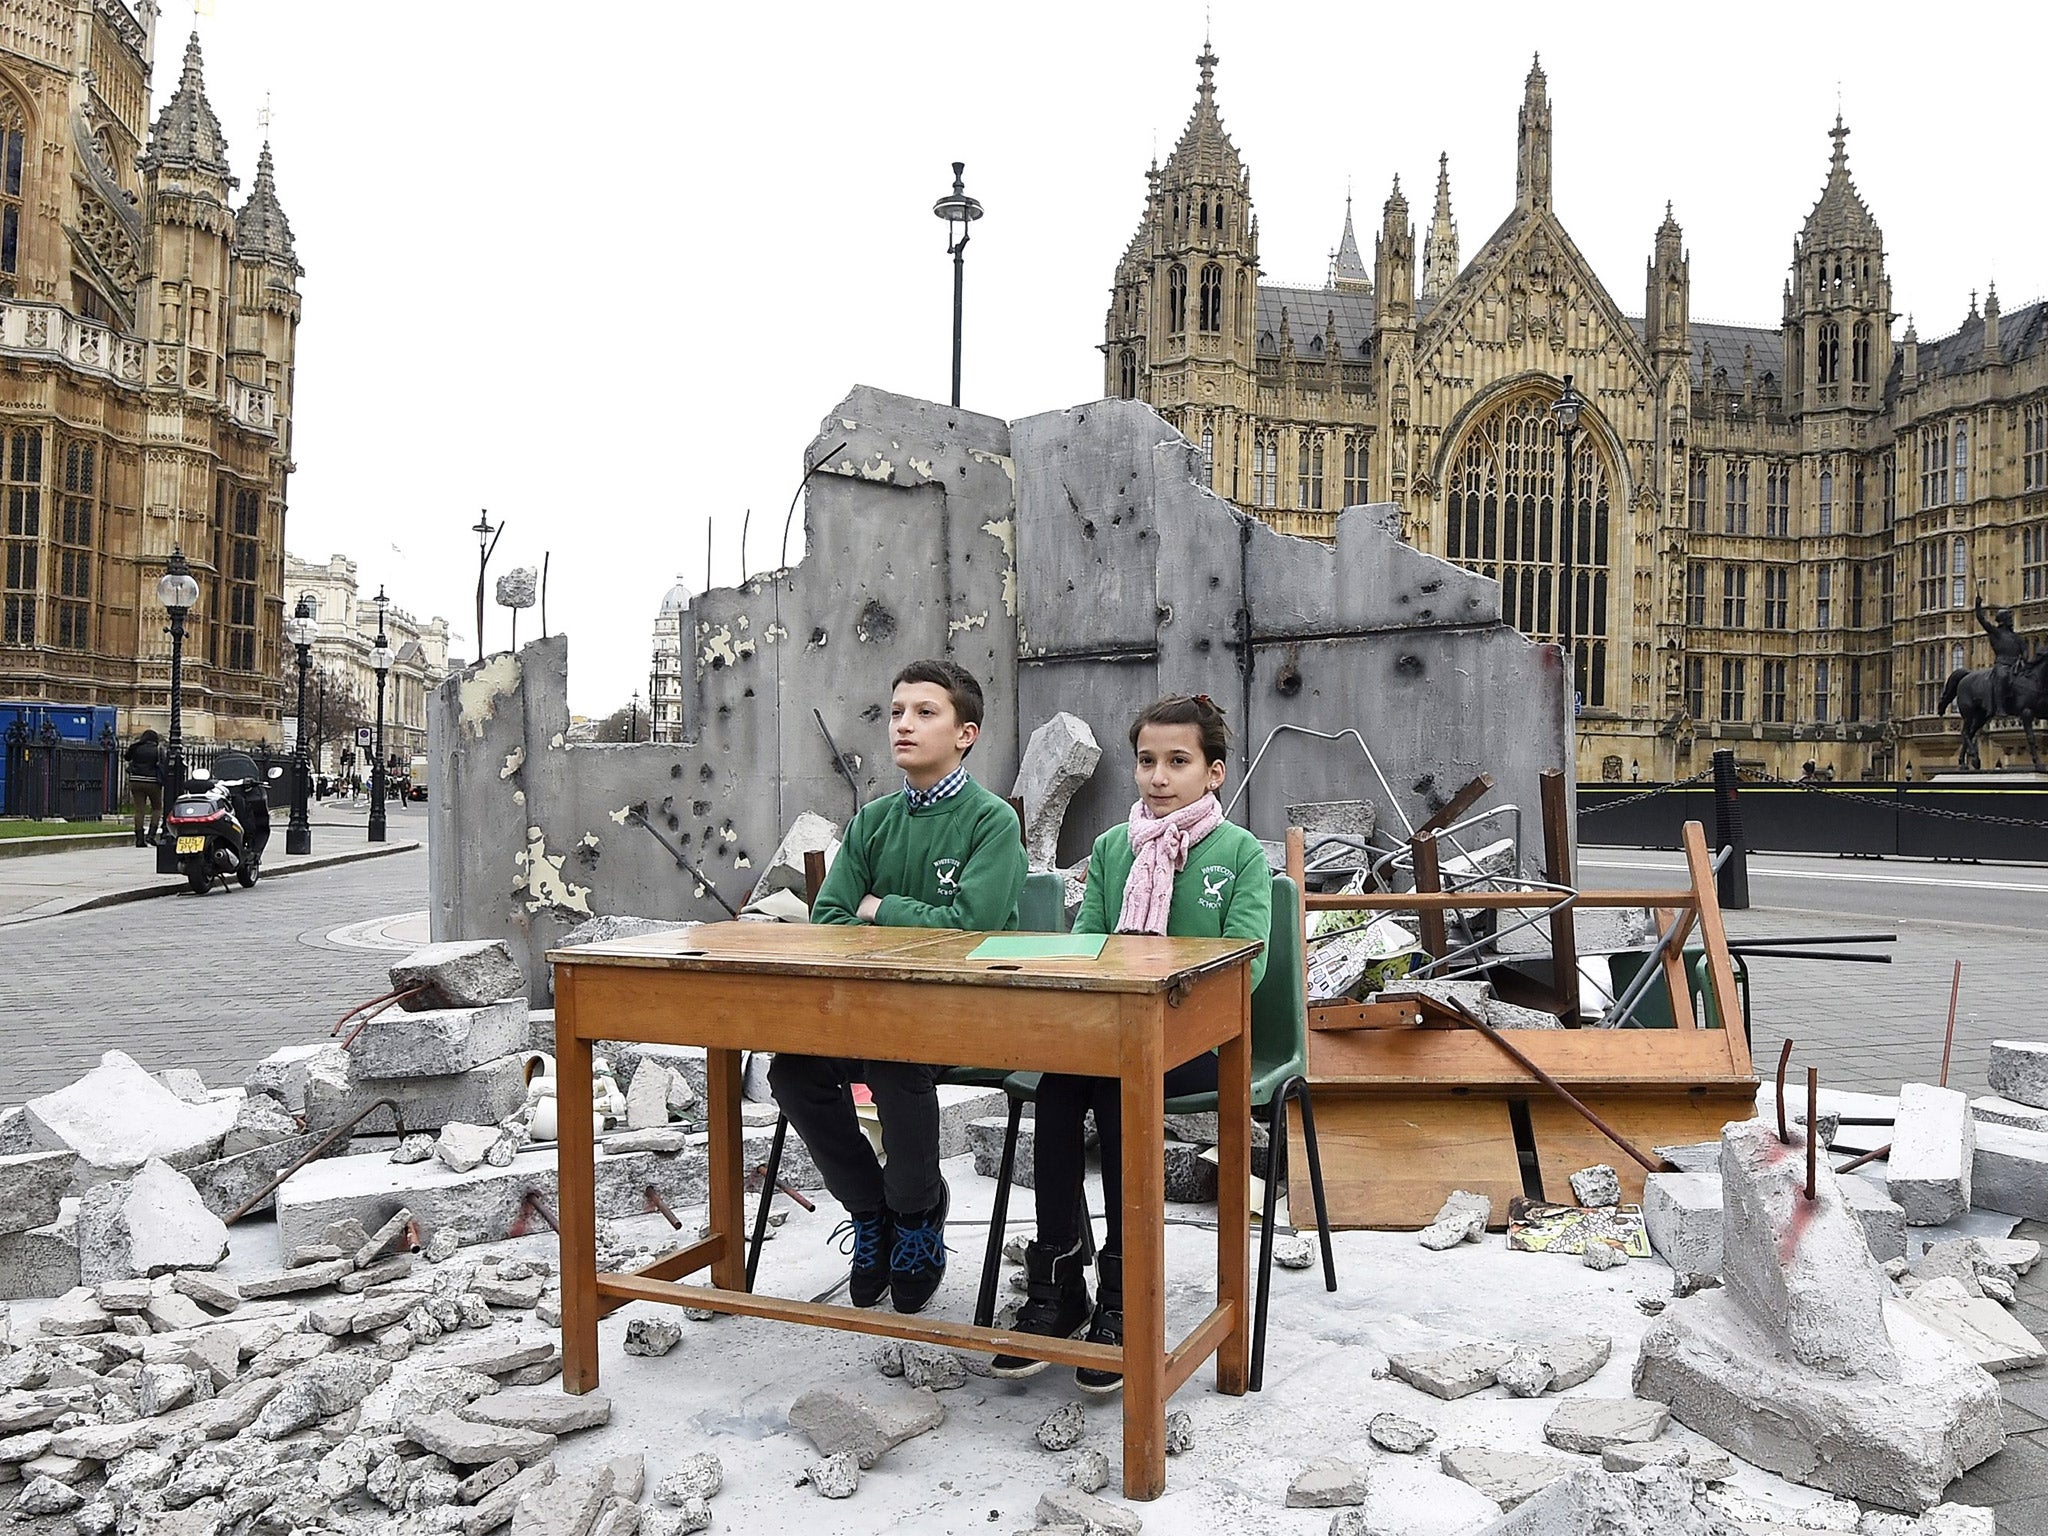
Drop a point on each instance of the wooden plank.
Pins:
(684, 1261)
(1565, 1142)
(1428, 882)
(1557, 869)
(1673, 961)
(1406, 1059)
(728, 1168)
(814, 875)
(1211, 1335)
(1143, 1092)
(1233, 1201)
(1720, 967)
(919, 1329)
(1390, 1161)
(1463, 801)
(576, 1191)
(1379, 1015)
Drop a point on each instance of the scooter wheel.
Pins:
(247, 873)
(199, 877)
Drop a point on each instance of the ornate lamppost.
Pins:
(380, 658)
(486, 541)
(1566, 409)
(177, 591)
(633, 717)
(958, 210)
(301, 631)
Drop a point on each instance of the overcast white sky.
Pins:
(603, 268)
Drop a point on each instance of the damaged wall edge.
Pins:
(1073, 561)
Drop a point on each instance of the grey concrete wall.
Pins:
(1073, 561)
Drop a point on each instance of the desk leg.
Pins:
(1233, 1194)
(577, 1197)
(1144, 1257)
(728, 1169)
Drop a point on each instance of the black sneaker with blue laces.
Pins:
(869, 1237)
(917, 1260)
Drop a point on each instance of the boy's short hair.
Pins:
(960, 684)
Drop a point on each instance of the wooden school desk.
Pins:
(908, 994)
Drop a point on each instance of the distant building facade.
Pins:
(147, 354)
(665, 677)
(1781, 531)
(347, 618)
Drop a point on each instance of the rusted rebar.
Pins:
(655, 1202)
(1784, 1131)
(319, 1147)
(1948, 1041)
(1812, 1127)
(783, 1186)
(1869, 1157)
(371, 1009)
(539, 1207)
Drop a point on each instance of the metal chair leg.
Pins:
(1299, 1088)
(1276, 1170)
(767, 1198)
(999, 1216)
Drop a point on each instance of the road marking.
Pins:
(1815, 874)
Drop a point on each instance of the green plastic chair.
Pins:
(1279, 1072)
(1654, 1010)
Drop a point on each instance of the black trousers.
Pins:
(1058, 1157)
(816, 1092)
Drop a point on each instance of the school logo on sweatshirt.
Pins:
(948, 871)
(1216, 880)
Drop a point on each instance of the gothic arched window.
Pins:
(1127, 375)
(1244, 305)
(13, 143)
(1506, 479)
(1212, 297)
(1827, 502)
(1176, 299)
(1827, 354)
(1962, 462)
(1859, 354)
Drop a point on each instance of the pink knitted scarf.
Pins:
(1159, 846)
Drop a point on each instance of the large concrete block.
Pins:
(463, 973)
(809, 833)
(2019, 1070)
(228, 1183)
(42, 1261)
(438, 1041)
(1060, 757)
(2009, 1171)
(1883, 1219)
(1683, 1214)
(117, 1117)
(1928, 1171)
(2004, 1111)
(31, 1188)
(149, 1225)
(482, 1096)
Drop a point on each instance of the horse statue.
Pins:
(1975, 696)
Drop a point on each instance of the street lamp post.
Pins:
(380, 658)
(1566, 410)
(958, 210)
(486, 541)
(633, 717)
(301, 631)
(654, 694)
(177, 591)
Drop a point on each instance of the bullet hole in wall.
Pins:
(704, 774)
(700, 807)
(818, 637)
(747, 694)
(1203, 645)
(1433, 586)
(674, 822)
(718, 663)
(1288, 681)
(1215, 581)
(1087, 527)
(675, 770)
(876, 623)
(872, 713)
(1409, 666)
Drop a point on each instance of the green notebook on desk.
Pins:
(1039, 946)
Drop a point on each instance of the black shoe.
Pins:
(868, 1236)
(1056, 1304)
(917, 1259)
(1107, 1326)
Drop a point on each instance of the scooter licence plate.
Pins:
(191, 845)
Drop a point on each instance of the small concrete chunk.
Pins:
(1597, 1186)
(1451, 1373)
(1294, 1250)
(547, 1413)
(1063, 1428)
(462, 1147)
(1327, 1484)
(47, 1496)
(1928, 1171)
(472, 973)
(1506, 1477)
(320, 1390)
(569, 1506)
(1985, 1331)
(468, 1443)
(416, 1148)
(502, 1503)
(652, 1336)
(311, 1277)
(1525, 1373)
(1635, 1456)
(1599, 1253)
(1071, 1509)
(1398, 1433)
(1655, 1502)
(690, 1515)
(699, 1476)
(1592, 1424)
(2009, 1171)
(1090, 1471)
(1463, 1218)
(835, 1420)
(647, 1097)
(32, 1187)
(925, 1365)
(148, 1225)
(215, 1291)
(2019, 1071)
(1180, 1432)
(836, 1477)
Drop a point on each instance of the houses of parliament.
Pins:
(1781, 531)
(148, 325)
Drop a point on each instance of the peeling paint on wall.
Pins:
(541, 881)
(621, 814)
(1004, 531)
(481, 689)
(589, 840)
(1003, 461)
(961, 626)
(514, 761)
(555, 742)
(923, 467)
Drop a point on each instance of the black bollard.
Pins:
(1732, 882)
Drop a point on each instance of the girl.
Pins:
(1177, 868)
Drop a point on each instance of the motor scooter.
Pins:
(221, 820)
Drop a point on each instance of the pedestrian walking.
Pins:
(145, 759)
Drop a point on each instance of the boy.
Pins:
(944, 853)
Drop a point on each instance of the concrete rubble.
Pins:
(863, 1425)
(117, 1117)
(147, 1225)
(1933, 1147)
(464, 973)
(2019, 1071)
(1462, 1219)
(1059, 759)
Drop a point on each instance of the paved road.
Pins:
(214, 983)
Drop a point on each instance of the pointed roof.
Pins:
(1347, 266)
(1841, 214)
(186, 132)
(261, 229)
(1204, 150)
(1440, 249)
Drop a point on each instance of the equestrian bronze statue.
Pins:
(2013, 687)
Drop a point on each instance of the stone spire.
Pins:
(1347, 267)
(1394, 260)
(1204, 150)
(1841, 216)
(1440, 249)
(1532, 159)
(187, 135)
(262, 232)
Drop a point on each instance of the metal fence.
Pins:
(51, 779)
(1922, 821)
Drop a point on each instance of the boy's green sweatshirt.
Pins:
(1224, 891)
(957, 864)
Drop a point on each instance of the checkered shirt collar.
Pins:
(945, 789)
